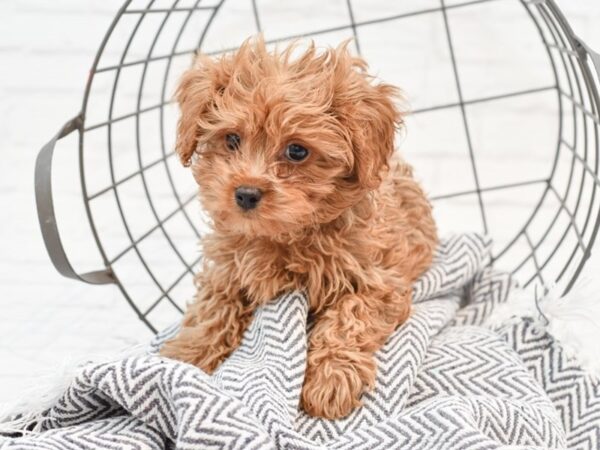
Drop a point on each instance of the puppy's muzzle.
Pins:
(247, 197)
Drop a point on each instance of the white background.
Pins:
(46, 49)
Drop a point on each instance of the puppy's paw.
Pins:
(190, 348)
(334, 384)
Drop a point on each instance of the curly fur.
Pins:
(349, 225)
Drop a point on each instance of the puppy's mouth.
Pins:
(256, 209)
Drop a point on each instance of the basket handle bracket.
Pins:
(586, 51)
(45, 210)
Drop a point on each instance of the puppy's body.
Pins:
(349, 227)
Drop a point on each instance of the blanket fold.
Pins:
(443, 381)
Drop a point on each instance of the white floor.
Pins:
(46, 49)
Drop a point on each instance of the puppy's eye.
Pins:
(296, 153)
(232, 141)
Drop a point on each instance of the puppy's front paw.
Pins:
(334, 384)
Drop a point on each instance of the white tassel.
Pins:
(45, 390)
(27, 412)
(573, 319)
(520, 303)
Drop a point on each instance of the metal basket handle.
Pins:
(45, 210)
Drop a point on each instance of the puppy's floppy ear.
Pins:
(369, 113)
(377, 119)
(195, 95)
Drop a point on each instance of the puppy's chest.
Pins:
(315, 264)
(269, 270)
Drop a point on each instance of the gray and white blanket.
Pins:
(444, 381)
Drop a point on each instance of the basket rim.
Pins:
(587, 72)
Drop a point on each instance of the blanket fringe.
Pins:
(572, 319)
(25, 425)
(27, 414)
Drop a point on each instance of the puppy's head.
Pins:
(279, 142)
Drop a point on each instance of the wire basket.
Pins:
(503, 132)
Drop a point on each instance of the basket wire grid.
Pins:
(140, 202)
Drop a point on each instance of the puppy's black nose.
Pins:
(247, 197)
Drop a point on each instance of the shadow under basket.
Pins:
(504, 129)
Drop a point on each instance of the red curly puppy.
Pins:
(293, 157)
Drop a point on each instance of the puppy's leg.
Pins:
(341, 364)
(212, 327)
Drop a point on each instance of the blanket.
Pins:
(445, 380)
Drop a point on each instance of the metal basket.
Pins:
(504, 149)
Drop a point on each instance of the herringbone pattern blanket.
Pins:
(444, 382)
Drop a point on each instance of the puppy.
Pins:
(293, 158)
